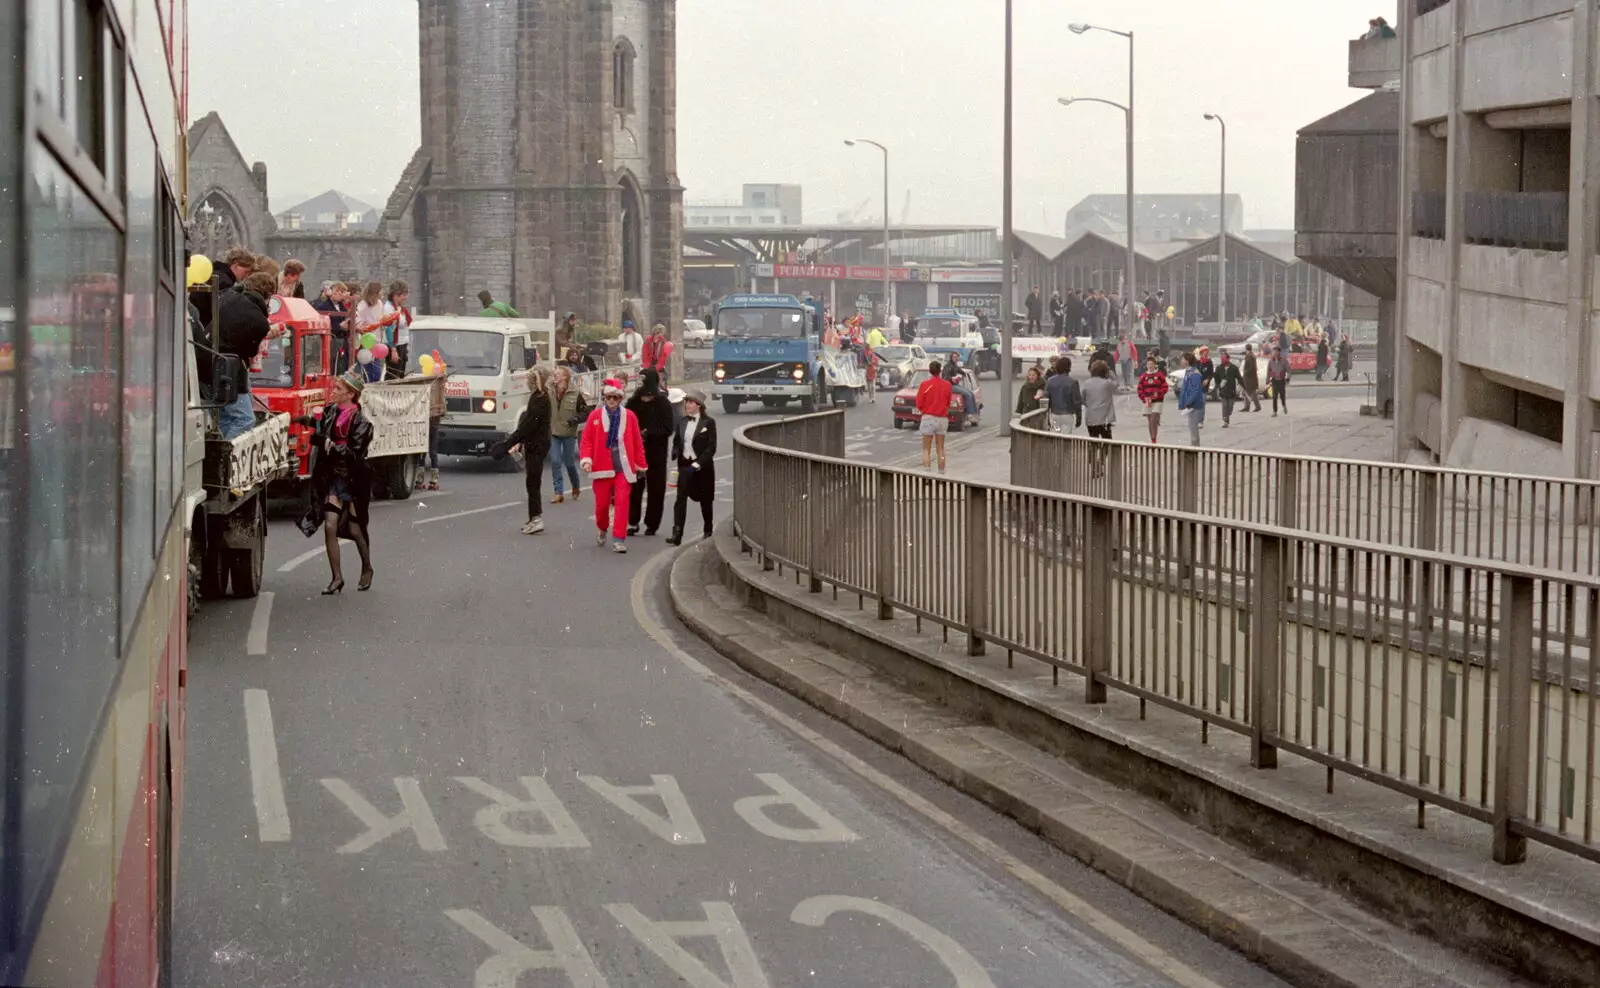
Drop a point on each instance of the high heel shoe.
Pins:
(366, 581)
(333, 588)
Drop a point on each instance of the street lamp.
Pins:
(1006, 256)
(1222, 228)
(887, 307)
(1081, 28)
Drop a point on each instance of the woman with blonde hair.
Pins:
(568, 409)
(369, 318)
(532, 436)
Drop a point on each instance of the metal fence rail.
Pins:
(1462, 682)
(1547, 522)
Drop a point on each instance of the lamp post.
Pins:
(1006, 256)
(886, 304)
(1128, 289)
(1222, 228)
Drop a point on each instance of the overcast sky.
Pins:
(326, 95)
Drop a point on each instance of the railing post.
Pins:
(1426, 498)
(884, 563)
(1515, 688)
(1095, 595)
(1266, 648)
(814, 541)
(976, 570)
(1189, 503)
(1113, 465)
(1288, 494)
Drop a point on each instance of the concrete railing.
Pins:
(1459, 681)
(1535, 521)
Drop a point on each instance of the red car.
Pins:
(905, 402)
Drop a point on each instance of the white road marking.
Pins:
(463, 514)
(255, 642)
(307, 556)
(754, 809)
(512, 958)
(968, 972)
(415, 816)
(266, 783)
(721, 923)
(679, 825)
(418, 500)
(1147, 952)
(494, 820)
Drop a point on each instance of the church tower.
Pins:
(549, 131)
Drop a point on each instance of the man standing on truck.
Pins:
(502, 310)
(241, 327)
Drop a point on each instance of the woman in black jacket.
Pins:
(341, 478)
(650, 406)
(533, 436)
(697, 467)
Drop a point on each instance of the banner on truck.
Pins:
(399, 417)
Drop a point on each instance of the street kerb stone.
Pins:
(1251, 904)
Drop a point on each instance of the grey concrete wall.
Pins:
(341, 257)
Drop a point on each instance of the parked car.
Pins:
(696, 333)
(896, 360)
(905, 402)
(1302, 361)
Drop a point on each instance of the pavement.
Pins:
(509, 756)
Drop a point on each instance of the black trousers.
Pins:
(652, 494)
(534, 466)
(680, 508)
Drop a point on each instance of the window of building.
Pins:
(632, 237)
(742, 220)
(622, 75)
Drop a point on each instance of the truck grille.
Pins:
(458, 404)
(765, 371)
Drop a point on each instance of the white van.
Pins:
(487, 359)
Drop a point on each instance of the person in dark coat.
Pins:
(241, 327)
(1346, 353)
(1035, 306)
(1058, 313)
(532, 435)
(1250, 379)
(333, 302)
(694, 450)
(1074, 314)
(1322, 357)
(341, 478)
(650, 406)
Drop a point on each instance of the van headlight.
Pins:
(799, 373)
(488, 405)
(720, 373)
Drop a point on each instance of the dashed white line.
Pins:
(463, 514)
(256, 641)
(266, 782)
(306, 556)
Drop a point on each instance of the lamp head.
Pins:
(849, 144)
(1211, 116)
(1065, 100)
(1078, 28)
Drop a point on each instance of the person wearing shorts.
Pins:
(933, 402)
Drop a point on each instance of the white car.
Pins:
(696, 333)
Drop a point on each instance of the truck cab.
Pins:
(294, 373)
(764, 348)
(943, 331)
(488, 359)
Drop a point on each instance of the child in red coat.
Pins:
(611, 451)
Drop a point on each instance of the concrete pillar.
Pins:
(1457, 173)
(1387, 341)
(1405, 435)
(1583, 205)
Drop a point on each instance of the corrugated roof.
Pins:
(332, 201)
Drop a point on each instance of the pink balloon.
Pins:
(380, 351)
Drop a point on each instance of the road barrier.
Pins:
(1547, 522)
(1464, 682)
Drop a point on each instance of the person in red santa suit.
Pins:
(611, 451)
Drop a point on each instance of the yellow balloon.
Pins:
(427, 364)
(199, 270)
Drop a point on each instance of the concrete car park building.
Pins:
(1499, 191)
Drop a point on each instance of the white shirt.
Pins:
(401, 329)
(690, 424)
(632, 345)
(894, 325)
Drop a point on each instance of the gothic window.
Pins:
(216, 226)
(632, 240)
(622, 75)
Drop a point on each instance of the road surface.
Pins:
(506, 765)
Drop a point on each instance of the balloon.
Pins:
(199, 270)
(380, 351)
(427, 364)
(369, 340)
(363, 356)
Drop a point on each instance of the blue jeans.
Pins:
(237, 418)
(967, 397)
(1127, 373)
(563, 453)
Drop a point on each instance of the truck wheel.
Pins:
(808, 405)
(845, 395)
(402, 476)
(245, 565)
(197, 562)
(730, 404)
(213, 567)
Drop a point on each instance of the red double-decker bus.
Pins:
(93, 561)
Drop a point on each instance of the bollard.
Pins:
(1266, 648)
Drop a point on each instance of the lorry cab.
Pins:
(487, 360)
(943, 331)
(764, 348)
(293, 374)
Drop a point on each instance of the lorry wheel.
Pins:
(402, 476)
(846, 396)
(245, 565)
(808, 405)
(213, 569)
(197, 562)
(730, 404)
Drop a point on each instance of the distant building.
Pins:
(333, 210)
(1157, 218)
(762, 204)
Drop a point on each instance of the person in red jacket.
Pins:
(657, 351)
(611, 452)
(933, 401)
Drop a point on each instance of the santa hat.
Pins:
(612, 386)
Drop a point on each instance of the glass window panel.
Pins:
(69, 641)
(167, 340)
(12, 549)
(44, 58)
(139, 374)
(311, 355)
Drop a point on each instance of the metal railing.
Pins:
(1548, 522)
(1534, 220)
(1464, 683)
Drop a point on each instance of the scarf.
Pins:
(613, 429)
(341, 423)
